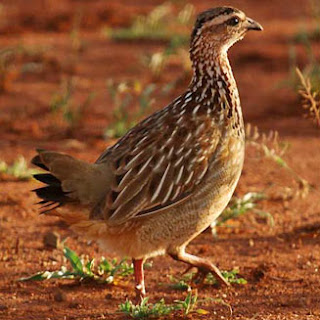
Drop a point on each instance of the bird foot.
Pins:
(202, 273)
(140, 294)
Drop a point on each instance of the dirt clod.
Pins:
(59, 296)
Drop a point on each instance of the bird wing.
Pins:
(159, 162)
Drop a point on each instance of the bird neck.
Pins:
(213, 83)
(210, 65)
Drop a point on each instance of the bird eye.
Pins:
(233, 21)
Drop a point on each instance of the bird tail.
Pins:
(68, 181)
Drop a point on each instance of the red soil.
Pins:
(280, 263)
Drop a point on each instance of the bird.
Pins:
(170, 176)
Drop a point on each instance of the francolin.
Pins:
(170, 176)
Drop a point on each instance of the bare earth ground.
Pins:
(280, 263)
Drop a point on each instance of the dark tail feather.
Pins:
(48, 179)
(52, 194)
(37, 162)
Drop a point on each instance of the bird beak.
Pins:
(253, 25)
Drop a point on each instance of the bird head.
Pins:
(221, 27)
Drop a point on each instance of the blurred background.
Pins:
(75, 75)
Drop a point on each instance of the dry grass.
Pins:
(310, 98)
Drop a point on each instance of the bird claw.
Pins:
(200, 277)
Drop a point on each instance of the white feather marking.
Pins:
(187, 100)
(145, 165)
(142, 140)
(179, 175)
(177, 163)
(195, 110)
(157, 192)
(115, 203)
(188, 95)
(201, 159)
(123, 180)
(202, 174)
(166, 198)
(188, 153)
(179, 150)
(180, 120)
(188, 137)
(133, 159)
(199, 129)
(170, 152)
(189, 178)
(176, 193)
(159, 163)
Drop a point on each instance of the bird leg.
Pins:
(204, 266)
(139, 279)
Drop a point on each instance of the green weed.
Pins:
(232, 277)
(311, 69)
(18, 169)
(162, 23)
(188, 304)
(184, 283)
(240, 206)
(77, 43)
(314, 34)
(105, 272)
(146, 310)
(122, 96)
(19, 59)
(268, 145)
(63, 105)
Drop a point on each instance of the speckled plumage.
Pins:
(172, 175)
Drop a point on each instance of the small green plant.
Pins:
(122, 95)
(62, 104)
(146, 310)
(240, 206)
(311, 69)
(16, 60)
(314, 33)
(18, 169)
(232, 277)
(268, 145)
(176, 51)
(77, 43)
(184, 283)
(188, 304)
(165, 24)
(161, 23)
(84, 269)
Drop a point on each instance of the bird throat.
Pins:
(214, 85)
